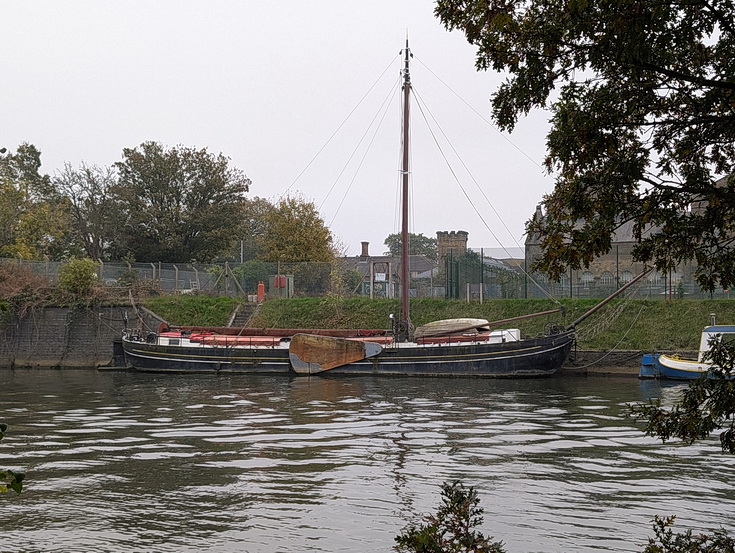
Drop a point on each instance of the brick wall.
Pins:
(61, 337)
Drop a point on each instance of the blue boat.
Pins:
(674, 367)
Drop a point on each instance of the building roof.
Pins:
(416, 263)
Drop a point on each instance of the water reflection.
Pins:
(134, 462)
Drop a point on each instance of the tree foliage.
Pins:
(641, 96)
(34, 218)
(78, 276)
(705, 406)
(92, 210)
(418, 245)
(254, 215)
(452, 529)
(9, 480)
(665, 541)
(177, 204)
(296, 232)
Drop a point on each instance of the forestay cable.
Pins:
(342, 123)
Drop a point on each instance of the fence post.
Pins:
(372, 278)
(482, 273)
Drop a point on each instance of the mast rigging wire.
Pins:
(341, 124)
(385, 104)
(505, 137)
(421, 105)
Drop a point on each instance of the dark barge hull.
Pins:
(541, 356)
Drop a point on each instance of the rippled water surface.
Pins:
(128, 462)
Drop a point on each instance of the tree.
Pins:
(250, 237)
(641, 97)
(451, 530)
(418, 245)
(178, 204)
(296, 232)
(34, 219)
(92, 210)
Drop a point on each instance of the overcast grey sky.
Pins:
(267, 83)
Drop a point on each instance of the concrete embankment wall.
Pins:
(610, 362)
(61, 337)
(590, 362)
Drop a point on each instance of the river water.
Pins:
(130, 462)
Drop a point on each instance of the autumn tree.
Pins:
(89, 191)
(641, 98)
(296, 232)
(176, 204)
(418, 245)
(9, 480)
(34, 219)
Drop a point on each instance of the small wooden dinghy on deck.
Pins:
(447, 327)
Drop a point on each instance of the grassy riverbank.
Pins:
(621, 324)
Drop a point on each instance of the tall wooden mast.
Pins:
(405, 281)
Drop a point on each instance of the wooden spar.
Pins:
(311, 353)
(523, 317)
(610, 297)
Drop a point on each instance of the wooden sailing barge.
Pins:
(459, 347)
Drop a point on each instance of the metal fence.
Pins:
(469, 283)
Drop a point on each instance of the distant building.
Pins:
(454, 243)
(608, 272)
(382, 272)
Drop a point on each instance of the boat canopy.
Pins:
(714, 332)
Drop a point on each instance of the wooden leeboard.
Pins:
(310, 353)
(450, 326)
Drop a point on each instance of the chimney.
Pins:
(365, 249)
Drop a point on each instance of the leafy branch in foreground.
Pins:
(666, 541)
(640, 97)
(451, 530)
(9, 480)
(708, 404)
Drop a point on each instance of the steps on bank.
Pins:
(243, 314)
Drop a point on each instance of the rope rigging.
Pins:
(344, 121)
(423, 109)
(431, 122)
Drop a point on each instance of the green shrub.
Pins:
(9, 480)
(666, 541)
(451, 530)
(78, 276)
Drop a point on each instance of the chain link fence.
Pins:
(463, 280)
